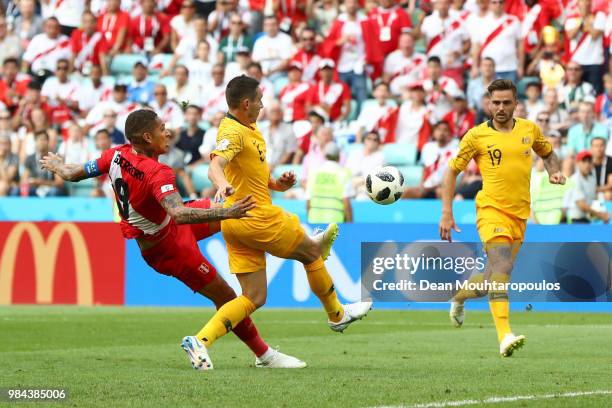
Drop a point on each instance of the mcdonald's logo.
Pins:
(45, 253)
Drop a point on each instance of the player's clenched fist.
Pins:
(223, 192)
(286, 181)
(240, 207)
(557, 178)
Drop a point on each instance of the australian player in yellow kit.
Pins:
(239, 169)
(502, 149)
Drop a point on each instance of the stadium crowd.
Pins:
(384, 81)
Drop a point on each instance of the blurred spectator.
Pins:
(9, 168)
(59, 91)
(28, 103)
(265, 85)
(37, 121)
(182, 25)
(413, 123)
(546, 63)
(602, 165)
(175, 159)
(93, 91)
(322, 13)
(185, 89)
(439, 90)
(584, 32)
(46, 49)
(329, 190)
(110, 126)
(361, 162)
(240, 66)
(499, 38)
(580, 135)
(434, 158)
(103, 186)
(520, 111)
(391, 21)
(191, 136)
(281, 143)
(536, 22)
(140, 90)
(89, 47)
(559, 118)
(446, 39)
(308, 56)
(10, 45)
(218, 20)
(315, 158)
(118, 104)
(533, 104)
(582, 193)
(210, 137)
(575, 90)
(461, 118)
(27, 24)
(304, 135)
(6, 130)
(36, 181)
(295, 95)
(603, 103)
(403, 66)
(114, 25)
(273, 49)
(13, 85)
(150, 31)
(77, 148)
(353, 43)
(476, 19)
(478, 86)
(379, 116)
(334, 97)
(168, 111)
(213, 93)
(235, 40)
(189, 48)
(67, 12)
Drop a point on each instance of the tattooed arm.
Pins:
(553, 167)
(181, 214)
(69, 172)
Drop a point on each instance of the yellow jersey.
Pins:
(505, 162)
(245, 150)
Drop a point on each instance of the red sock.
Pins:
(247, 332)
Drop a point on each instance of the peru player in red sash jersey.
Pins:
(166, 229)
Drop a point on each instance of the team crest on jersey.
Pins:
(526, 140)
(223, 144)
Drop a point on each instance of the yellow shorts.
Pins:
(497, 226)
(271, 229)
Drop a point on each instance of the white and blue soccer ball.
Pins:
(385, 185)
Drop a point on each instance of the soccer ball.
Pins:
(385, 185)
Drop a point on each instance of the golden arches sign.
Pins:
(45, 255)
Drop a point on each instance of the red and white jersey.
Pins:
(445, 36)
(310, 63)
(439, 98)
(331, 97)
(413, 124)
(459, 123)
(404, 70)
(67, 12)
(110, 25)
(498, 39)
(473, 23)
(293, 98)
(88, 95)
(44, 52)
(95, 117)
(87, 49)
(371, 113)
(171, 114)
(53, 90)
(213, 99)
(140, 184)
(147, 32)
(390, 22)
(583, 49)
(435, 160)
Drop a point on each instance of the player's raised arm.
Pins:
(173, 204)
(69, 172)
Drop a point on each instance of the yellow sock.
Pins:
(226, 318)
(464, 294)
(322, 286)
(500, 307)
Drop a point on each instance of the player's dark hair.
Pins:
(502, 85)
(10, 60)
(435, 59)
(138, 122)
(239, 88)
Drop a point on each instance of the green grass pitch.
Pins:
(130, 357)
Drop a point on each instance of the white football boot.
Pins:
(327, 238)
(457, 314)
(197, 353)
(511, 343)
(275, 359)
(352, 313)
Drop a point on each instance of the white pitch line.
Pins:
(497, 400)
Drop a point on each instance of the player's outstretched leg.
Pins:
(326, 239)
(339, 316)
(457, 309)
